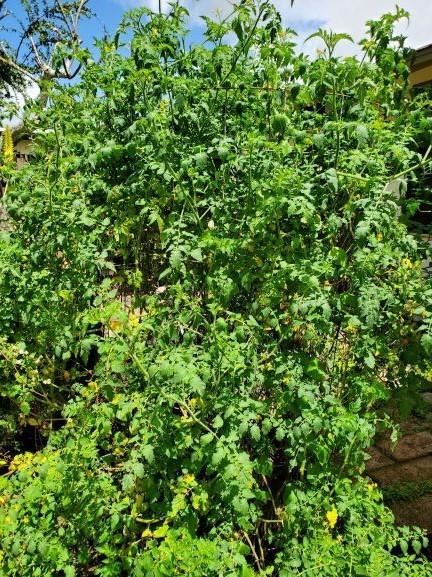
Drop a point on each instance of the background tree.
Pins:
(10, 77)
(47, 40)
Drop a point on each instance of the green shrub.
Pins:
(237, 195)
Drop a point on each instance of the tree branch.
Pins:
(80, 8)
(17, 67)
(65, 18)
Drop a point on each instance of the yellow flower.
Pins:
(115, 325)
(406, 263)
(332, 517)
(21, 462)
(372, 486)
(8, 149)
(379, 237)
(133, 320)
(93, 386)
(189, 479)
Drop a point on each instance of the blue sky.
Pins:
(306, 15)
(110, 12)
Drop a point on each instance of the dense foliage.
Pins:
(207, 290)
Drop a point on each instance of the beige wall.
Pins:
(23, 147)
(422, 76)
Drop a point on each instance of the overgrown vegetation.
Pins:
(207, 291)
(405, 491)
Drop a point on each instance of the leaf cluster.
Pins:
(209, 267)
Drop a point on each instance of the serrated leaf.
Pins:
(161, 532)
(318, 141)
(218, 456)
(206, 439)
(176, 259)
(255, 432)
(148, 453)
(426, 342)
(87, 220)
(362, 134)
(128, 482)
(369, 360)
(196, 254)
(218, 422)
(332, 179)
(138, 469)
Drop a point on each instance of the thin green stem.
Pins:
(418, 165)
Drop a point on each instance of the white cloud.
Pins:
(32, 91)
(338, 15)
(152, 4)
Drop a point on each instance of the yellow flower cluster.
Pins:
(91, 390)
(24, 460)
(8, 149)
(114, 324)
(189, 479)
(21, 462)
(133, 320)
(406, 263)
(332, 517)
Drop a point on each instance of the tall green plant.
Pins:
(236, 196)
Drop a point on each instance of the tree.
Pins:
(48, 39)
(10, 77)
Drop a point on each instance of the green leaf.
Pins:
(25, 408)
(218, 456)
(332, 179)
(218, 422)
(148, 453)
(404, 546)
(138, 469)
(319, 141)
(206, 439)
(426, 342)
(196, 254)
(255, 432)
(238, 29)
(370, 360)
(176, 259)
(87, 220)
(161, 532)
(362, 134)
(416, 546)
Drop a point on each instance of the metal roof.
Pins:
(423, 57)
